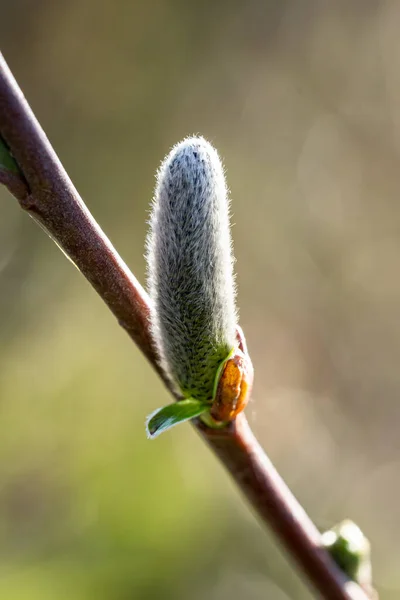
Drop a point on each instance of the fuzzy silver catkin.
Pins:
(190, 267)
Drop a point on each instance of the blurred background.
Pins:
(302, 100)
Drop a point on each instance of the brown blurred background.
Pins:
(302, 99)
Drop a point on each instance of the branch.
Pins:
(45, 191)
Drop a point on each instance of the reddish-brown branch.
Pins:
(55, 203)
(256, 476)
(47, 193)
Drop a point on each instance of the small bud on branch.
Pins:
(351, 551)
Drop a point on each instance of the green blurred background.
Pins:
(302, 99)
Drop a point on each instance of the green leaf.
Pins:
(6, 160)
(173, 414)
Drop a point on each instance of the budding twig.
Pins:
(49, 196)
(190, 264)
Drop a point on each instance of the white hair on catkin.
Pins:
(190, 267)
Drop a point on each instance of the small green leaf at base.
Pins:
(7, 162)
(173, 414)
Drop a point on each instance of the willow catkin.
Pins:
(190, 267)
